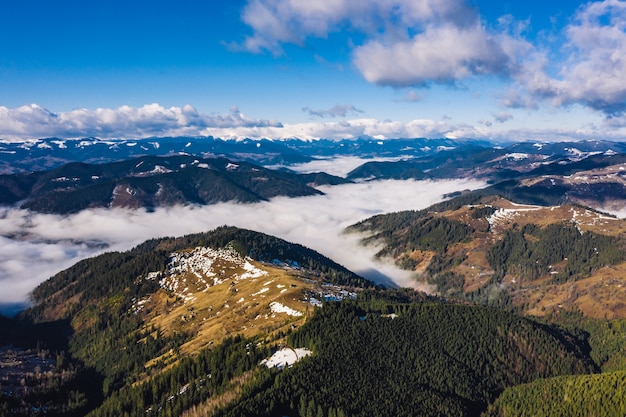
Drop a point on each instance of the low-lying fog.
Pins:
(36, 246)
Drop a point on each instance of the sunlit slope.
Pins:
(493, 251)
(211, 294)
(131, 314)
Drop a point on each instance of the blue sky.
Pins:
(549, 70)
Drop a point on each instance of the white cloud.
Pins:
(442, 54)
(34, 121)
(592, 72)
(405, 43)
(45, 245)
(31, 122)
(347, 129)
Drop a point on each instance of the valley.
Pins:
(467, 293)
(288, 208)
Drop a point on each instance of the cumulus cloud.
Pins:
(592, 73)
(35, 246)
(36, 122)
(441, 54)
(339, 110)
(406, 43)
(410, 43)
(33, 121)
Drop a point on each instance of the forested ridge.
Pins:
(579, 396)
(387, 352)
(386, 359)
(87, 311)
(153, 181)
(468, 248)
(530, 250)
(599, 394)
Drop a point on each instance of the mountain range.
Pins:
(48, 153)
(180, 326)
(523, 311)
(152, 181)
(205, 171)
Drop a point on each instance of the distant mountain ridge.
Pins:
(588, 172)
(49, 153)
(151, 181)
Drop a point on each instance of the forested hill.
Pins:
(119, 273)
(386, 359)
(123, 317)
(486, 249)
(152, 181)
(181, 327)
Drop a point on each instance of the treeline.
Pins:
(387, 225)
(409, 231)
(606, 338)
(427, 359)
(96, 296)
(530, 251)
(585, 395)
(90, 280)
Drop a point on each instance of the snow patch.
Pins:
(201, 264)
(261, 291)
(286, 357)
(517, 156)
(277, 307)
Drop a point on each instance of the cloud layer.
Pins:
(34, 121)
(45, 244)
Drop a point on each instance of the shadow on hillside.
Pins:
(378, 277)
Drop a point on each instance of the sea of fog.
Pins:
(36, 246)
